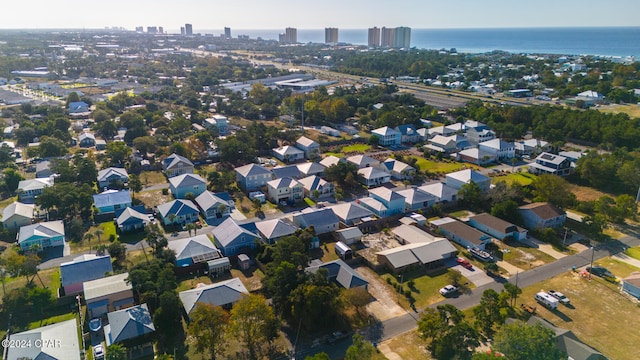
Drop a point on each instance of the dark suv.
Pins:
(599, 271)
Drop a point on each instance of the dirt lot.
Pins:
(384, 307)
(375, 243)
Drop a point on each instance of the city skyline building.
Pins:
(290, 36)
(402, 38)
(387, 37)
(330, 35)
(188, 29)
(373, 38)
(227, 32)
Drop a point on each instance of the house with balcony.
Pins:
(398, 169)
(459, 178)
(285, 189)
(178, 212)
(184, 184)
(288, 154)
(212, 207)
(219, 122)
(416, 199)
(542, 215)
(174, 165)
(252, 177)
(392, 200)
(408, 134)
(387, 136)
(374, 177)
(502, 150)
(547, 163)
(310, 168)
(43, 235)
(363, 161)
(112, 178)
(310, 148)
(315, 185)
(28, 190)
(531, 147)
(477, 132)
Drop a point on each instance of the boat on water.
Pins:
(480, 254)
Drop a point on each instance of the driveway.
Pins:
(546, 248)
(477, 276)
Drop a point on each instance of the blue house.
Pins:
(408, 134)
(183, 184)
(44, 234)
(184, 210)
(78, 107)
(194, 250)
(252, 176)
(112, 200)
(131, 219)
(391, 199)
(233, 239)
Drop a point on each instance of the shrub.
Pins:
(165, 191)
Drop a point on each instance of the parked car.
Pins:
(449, 290)
(560, 296)
(98, 352)
(464, 262)
(600, 271)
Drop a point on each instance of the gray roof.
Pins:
(373, 173)
(173, 160)
(495, 223)
(439, 190)
(551, 158)
(85, 268)
(411, 234)
(62, 338)
(363, 161)
(313, 182)
(35, 184)
(463, 231)
(131, 213)
(305, 141)
(229, 231)
(288, 150)
(318, 218)
(178, 207)
(385, 193)
(275, 228)
(285, 182)
(128, 323)
(105, 286)
(208, 200)
(47, 229)
(111, 197)
(350, 211)
(189, 248)
(18, 208)
(310, 168)
(186, 180)
(218, 294)
(568, 342)
(468, 175)
(415, 196)
(341, 273)
(251, 170)
(423, 253)
(104, 174)
(286, 171)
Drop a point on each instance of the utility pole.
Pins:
(593, 250)
(565, 237)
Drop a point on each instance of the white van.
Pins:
(546, 300)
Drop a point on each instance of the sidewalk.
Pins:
(627, 259)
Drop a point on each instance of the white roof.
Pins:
(56, 342)
(385, 131)
(372, 173)
(106, 286)
(288, 150)
(186, 180)
(285, 182)
(191, 247)
(275, 228)
(310, 168)
(350, 211)
(18, 208)
(106, 173)
(218, 294)
(251, 170)
(468, 175)
(306, 142)
(47, 229)
(35, 184)
(330, 160)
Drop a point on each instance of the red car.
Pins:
(465, 263)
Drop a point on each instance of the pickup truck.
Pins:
(560, 296)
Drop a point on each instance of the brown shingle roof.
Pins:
(544, 210)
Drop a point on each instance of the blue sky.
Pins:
(304, 14)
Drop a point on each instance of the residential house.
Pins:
(341, 273)
(349, 236)
(330, 161)
(631, 284)
(542, 215)
(329, 131)
(502, 150)
(212, 206)
(310, 148)
(476, 156)
(288, 154)
(28, 190)
(131, 219)
(591, 97)
(387, 136)
(462, 233)
(443, 130)
(174, 165)
(101, 144)
(574, 156)
(43, 169)
(285, 189)
(442, 192)
(391, 199)
(363, 161)
(178, 212)
(78, 107)
(411, 234)
(497, 227)
(531, 147)
(252, 177)
(350, 213)
(58, 341)
(292, 171)
(17, 215)
(107, 294)
(181, 185)
(224, 294)
(194, 250)
(44, 235)
(398, 169)
(317, 187)
(416, 199)
(233, 239)
(477, 132)
(373, 177)
(375, 206)
(112, 200)
(428, 255)
(444, 144)
(133, 328)
(83, 268)
(310, 168)
(219, 122)
(323, 220)
(547, 163)
(567, 342)
(275, 229)
(459, 178)
(86, 140)
(408, 134)
(112, 177)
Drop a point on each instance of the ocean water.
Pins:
(609, 41)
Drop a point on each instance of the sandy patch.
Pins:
(384, 307)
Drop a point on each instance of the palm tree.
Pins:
(189, 227)
(172, 218)
(98, 232)
(88, 237)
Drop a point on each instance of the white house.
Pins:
(374, 177)
(499, 148)
(387, 136)
(310, 148)
(288, 154)
(285, 189)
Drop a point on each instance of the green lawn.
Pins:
(442, 167)
(426, 287)
(523, 178)
(149, 178)
(51, 320)
(459, 214)
(634, 252)
(339, 155)
(356, 148)
(108, 229)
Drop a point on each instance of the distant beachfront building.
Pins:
(402, 38)
(387, 37)
(188, 29)
(290, 36)
(330, 35)
(374, 37)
